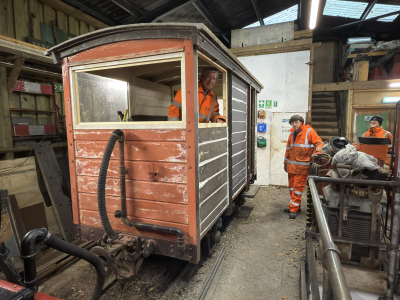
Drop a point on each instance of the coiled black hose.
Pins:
(101, 185)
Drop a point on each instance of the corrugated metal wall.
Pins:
(239, 134)
(213, 175)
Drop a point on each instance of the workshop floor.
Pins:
(262, 261)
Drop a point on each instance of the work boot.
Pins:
(287, 210)
(292, 215)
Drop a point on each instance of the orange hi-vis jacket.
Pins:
(298, 152)
(379, 132)
(208, 107)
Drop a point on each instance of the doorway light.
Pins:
(391, 99)
(394, 85)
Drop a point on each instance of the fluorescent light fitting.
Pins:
(394, 85)
(314, 13)
(391, 99)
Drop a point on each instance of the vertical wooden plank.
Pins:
(310, 87)
(49, 15)
(91, 28)
(7, 18)
(360, 71)
(83, 28)
(42, 103)
(62, 21)
(71, 147)
(5, 119)
(15, 102)
(36, 12)
(73, 25)
(21, 17)
(192, 148)
(28, 102)
(349, 119)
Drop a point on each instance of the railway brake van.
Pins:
(142, 184)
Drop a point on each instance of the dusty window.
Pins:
(136, 91)
(101, 98)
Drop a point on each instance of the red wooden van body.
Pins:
(180, 174)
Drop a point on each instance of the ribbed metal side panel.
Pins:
(357, 226)
(239, 136)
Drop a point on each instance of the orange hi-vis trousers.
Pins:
(297, 183)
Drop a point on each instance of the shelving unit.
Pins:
(32, 94)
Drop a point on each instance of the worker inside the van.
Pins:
(208, 103)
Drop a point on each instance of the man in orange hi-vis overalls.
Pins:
(208, 103)
(377, 131)
(303, 140)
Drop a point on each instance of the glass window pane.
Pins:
(383, 9)
(344, 9)
(101, 98)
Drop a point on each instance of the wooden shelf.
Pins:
(377, 53)
(32, 137)
(32, 110)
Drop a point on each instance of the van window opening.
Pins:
(134, 93)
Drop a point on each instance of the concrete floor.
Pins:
(262, 261)
(265, 250)
(262, 254)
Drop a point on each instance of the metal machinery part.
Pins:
(124, 255)
(338, 284)
(334, 145)
(354, 212)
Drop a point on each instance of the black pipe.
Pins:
(24, 294)
(367, 20)
(123, 212)
(166, 229)
(358, 182)
(29, 250)
(93, 259)
(28, 254)
(101, 185)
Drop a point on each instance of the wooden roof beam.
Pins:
(129, 7)
(204, 12)
(366, 12)
(258, 12)
(155, 13)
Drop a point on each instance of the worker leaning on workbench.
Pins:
(377, 131)
(302, 142)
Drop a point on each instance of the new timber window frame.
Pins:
(224, 112)
(140, 61)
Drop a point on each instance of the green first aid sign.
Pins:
(261, 103)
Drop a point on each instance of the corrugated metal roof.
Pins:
(381, 9)
(344, 9)
(286, 15)
(186, 14)
(235, 14)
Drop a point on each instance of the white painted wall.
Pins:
(285, 77)
(149, 98)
